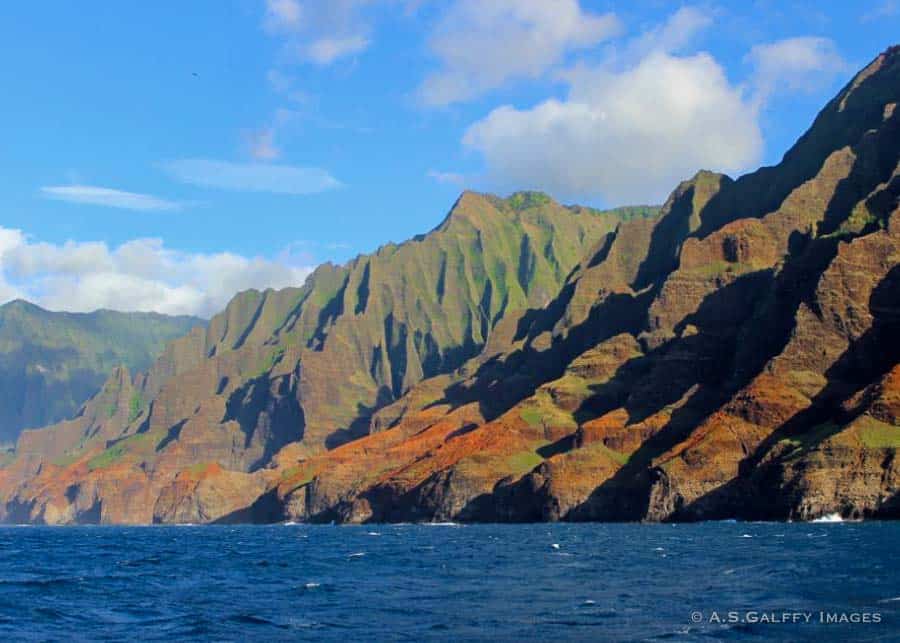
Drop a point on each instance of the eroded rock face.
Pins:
(734, 359)
(736, 356)
(208, 493)
(303, 370)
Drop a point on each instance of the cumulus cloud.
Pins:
(319, 32)
(139, 275)
(484, 45)
(672, 36)
(802, 64)
(627, 136)
(648, 116)
(251, 177)
(109, 198)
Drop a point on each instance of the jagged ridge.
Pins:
(743, 367)
(734, 358)
(297, 371)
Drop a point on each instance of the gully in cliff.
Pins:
(638, 312)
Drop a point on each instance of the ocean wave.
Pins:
(253, 619)
(835, 517)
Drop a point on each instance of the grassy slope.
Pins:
(51, 363)
(365, 332)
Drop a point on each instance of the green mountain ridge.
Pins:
(305, 368)
(53, 362)
(731, 355)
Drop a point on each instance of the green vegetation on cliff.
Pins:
(51, 363)
(734, 355)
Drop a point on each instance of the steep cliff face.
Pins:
(736, 356)
(51, 362)
(735, 359)
(299, 371)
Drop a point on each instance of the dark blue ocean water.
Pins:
(474, 582)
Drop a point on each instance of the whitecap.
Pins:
(890, 600)
(442, 524)
(372, 533)
(312, 585)
(659, 549)
(746, 536)
(589, 602)
(358, 554)
(835, 517)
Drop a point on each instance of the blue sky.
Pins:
(161, 156)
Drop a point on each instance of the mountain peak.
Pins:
(21, 304)
(474, 207)
(470, 206)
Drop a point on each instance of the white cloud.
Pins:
(484, 45)
(252, 177)
(887, 9)
(447, 178)
(319, 32)
(286, 85)
(794, 64)
(648, 116)
(9, 240)
(108, 197)
(627, 136)
(262, 145)
(311, 31)
(140, 275)
(672, 36)
(282, 15)
(325, 51)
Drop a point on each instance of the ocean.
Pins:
(579, 582)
